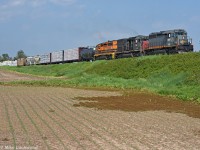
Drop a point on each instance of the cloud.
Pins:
(10, 4)
(37, 3)
(65, 2)
(15, 8)
(8, 9)
(17, 3)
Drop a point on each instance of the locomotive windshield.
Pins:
(181, 33)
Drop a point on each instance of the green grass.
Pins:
(176, 75)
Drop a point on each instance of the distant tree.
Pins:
(1, 59)
(5, 57)
(20, 54)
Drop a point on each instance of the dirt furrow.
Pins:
(46, 118)
(94, 124)
(7, 135)
(36, 123)
(97, 137)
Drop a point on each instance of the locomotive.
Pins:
(163, 42)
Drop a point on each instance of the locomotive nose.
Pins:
(182, 42)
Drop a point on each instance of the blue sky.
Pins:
(41, 26)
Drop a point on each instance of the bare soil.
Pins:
(6, 76)
(46, 118)
(141, 101)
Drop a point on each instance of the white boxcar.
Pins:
(14, 63)
(57, 56)
(45, 58)
(72, 54)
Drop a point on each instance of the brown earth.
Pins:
(45, 118)
(141, 102)
(6, 76)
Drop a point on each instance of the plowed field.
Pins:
(64, 118)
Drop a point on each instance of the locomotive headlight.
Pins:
(183, 42)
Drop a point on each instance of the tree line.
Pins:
(6, 57)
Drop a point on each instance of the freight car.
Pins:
(69, 55)
(167, 42)
(21, 62)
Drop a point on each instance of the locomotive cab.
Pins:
(178, 38)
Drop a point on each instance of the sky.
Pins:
(43, 26)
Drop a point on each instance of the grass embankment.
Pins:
(177, 75)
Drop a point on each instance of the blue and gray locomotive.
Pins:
(170, 41)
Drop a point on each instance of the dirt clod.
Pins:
(5, 139)
(51, 110)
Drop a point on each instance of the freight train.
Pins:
(163, 42)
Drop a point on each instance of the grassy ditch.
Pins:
(176, 75)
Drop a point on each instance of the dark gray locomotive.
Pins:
(170, 41)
